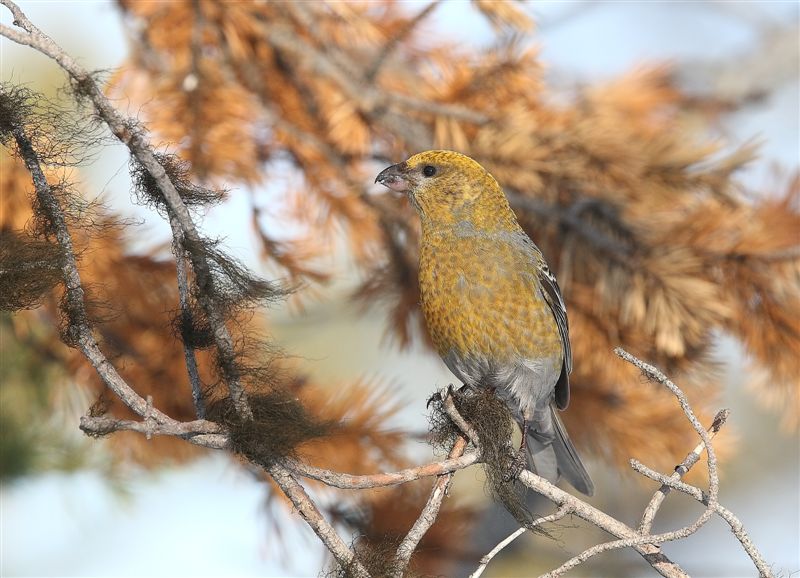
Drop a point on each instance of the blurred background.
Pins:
(651, 149)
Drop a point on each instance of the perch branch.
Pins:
(452, 412)
(354, 482)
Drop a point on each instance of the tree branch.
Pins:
(127, 132)
(736, 525)
(355, 482)
(311, 514)
(650, 552)
(560, 513)
(201, 432)
(680, 470)
(428, 515)
(652, 539)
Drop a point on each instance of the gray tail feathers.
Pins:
(552, 455)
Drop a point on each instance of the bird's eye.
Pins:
(429, 170)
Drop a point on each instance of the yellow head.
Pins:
(447, 187)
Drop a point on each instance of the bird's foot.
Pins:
(440, 395)
(515, 467)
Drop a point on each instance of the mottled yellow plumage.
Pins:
(479, 296)
(492, 308)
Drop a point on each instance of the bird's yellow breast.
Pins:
(480, 296)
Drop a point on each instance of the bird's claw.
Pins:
(438, 396)
(516, 466)
(435, 398)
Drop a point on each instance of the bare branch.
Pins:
(354, 482)
(311, 514)
(653, 373)
(650, 552)
(639, 539)
(431, 510)
(429, 513)
(202, 433)
(736, 525)
(560, 513)
(690, 460)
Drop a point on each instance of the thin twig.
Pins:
(428, 515)
(655, 374)
(650, 552)
(557, 515)
(690, 460)
(183, 299)
(736, 525)
(639, 539)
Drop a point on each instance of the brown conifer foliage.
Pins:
(656, 246)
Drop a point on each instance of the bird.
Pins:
(492, 307)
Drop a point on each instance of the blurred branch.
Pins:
(751, 76)
(374, 68)
(571, 219)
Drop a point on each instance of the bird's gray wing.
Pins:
(552, 295)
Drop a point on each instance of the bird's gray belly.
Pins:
(526, 385)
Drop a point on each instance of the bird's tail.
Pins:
(552, 455)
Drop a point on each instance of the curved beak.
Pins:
(393, 178)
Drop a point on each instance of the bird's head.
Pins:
(447, 187)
